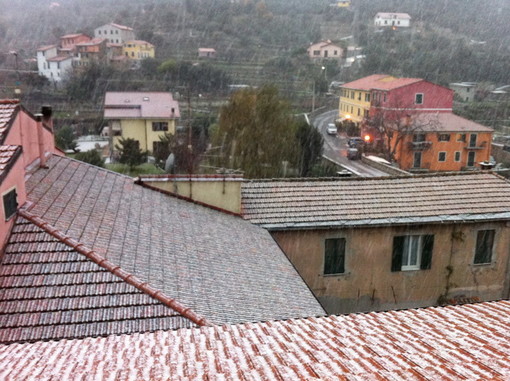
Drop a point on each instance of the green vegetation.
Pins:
(130, 153)
(65, 139)
(92, 157)
(142, 169)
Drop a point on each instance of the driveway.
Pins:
(335, 148)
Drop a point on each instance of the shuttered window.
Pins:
(10, 204)
(334, 256)
(412, 252)
(484, 243)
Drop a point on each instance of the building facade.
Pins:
(364, 244)
(138, 50)
(325, 50)
(143, 116)
(393, 20)
(115, 33)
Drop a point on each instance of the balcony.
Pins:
(477, 146)
(419, 146)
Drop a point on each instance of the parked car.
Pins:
(355, 142)
(353, 154)
(331, 130)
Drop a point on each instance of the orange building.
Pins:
(442, 142)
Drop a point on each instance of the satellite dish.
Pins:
(169, 163)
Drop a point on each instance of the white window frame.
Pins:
(410, 242)
(439, 156)
(416, 98)
(459, 154)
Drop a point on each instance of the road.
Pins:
(335, 148)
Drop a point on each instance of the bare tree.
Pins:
(392, 125)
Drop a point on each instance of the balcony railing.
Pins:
(419, 146)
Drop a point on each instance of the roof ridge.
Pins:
(115, 270)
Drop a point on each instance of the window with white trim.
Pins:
(412, 252)
(441, 156)
(457, 156)
(418, 98)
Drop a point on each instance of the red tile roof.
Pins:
(390, 14)
(120, 26)
(8, 111)
(126, 105)
(467, 342)
(446, 198)
(8, 156)
(447, 122)
(221, 267)
(379, 82)
(46, 47)
(48, 290)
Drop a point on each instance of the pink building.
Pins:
(325, 49)
(26, 141)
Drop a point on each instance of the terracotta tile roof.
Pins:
(468, 342)
(8, 156)
(220, 266)
(295, 204)
(48, 290)
(46, 47)
(120, 26)
(443, 121)
(59, 58)
(8, 111)
(126, 105)
(380, 82)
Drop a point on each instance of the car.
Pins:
(331, 130)
(355, 142)
(353, 154)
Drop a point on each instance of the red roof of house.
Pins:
(8, 155)
(59, 58)
(391, 14)
(448, 122)
(73, 35)
(120, 26)
(46, 47)
(379, 82)
(127, 105)
(467, 342)
(48, 290)
(8, 110)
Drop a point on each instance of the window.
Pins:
(334, 256)
(316, 52)
(336, 52)
(417, 160)
(472, 140)
(441, 156)
(412, 252)
(359, 96)
(99, 32)
(359, 111)
(352, 94)
(418, 138)
(367, 97)
(159, 126)
(366, 114)
(444, 137)
(461, 137)
(418, 99)
(484, 243)
(10, 204)
(384, 97)
(457, 156)
(471, 159)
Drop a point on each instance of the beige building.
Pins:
(143, 116)
(365, 244)
(325, 50)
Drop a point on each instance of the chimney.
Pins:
(42, 157)
(47, 112)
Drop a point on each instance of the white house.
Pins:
(51, 65)
(115, 33)
(325, 49)
(397, 20)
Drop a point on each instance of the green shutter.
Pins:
(398, 248)
(426, 252)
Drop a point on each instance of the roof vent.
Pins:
(145, 99)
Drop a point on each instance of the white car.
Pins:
(331, 130)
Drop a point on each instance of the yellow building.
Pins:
(343, 3)
(354, 103)
(138, 49)
(143, 116)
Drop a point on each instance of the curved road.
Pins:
(335, 148)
